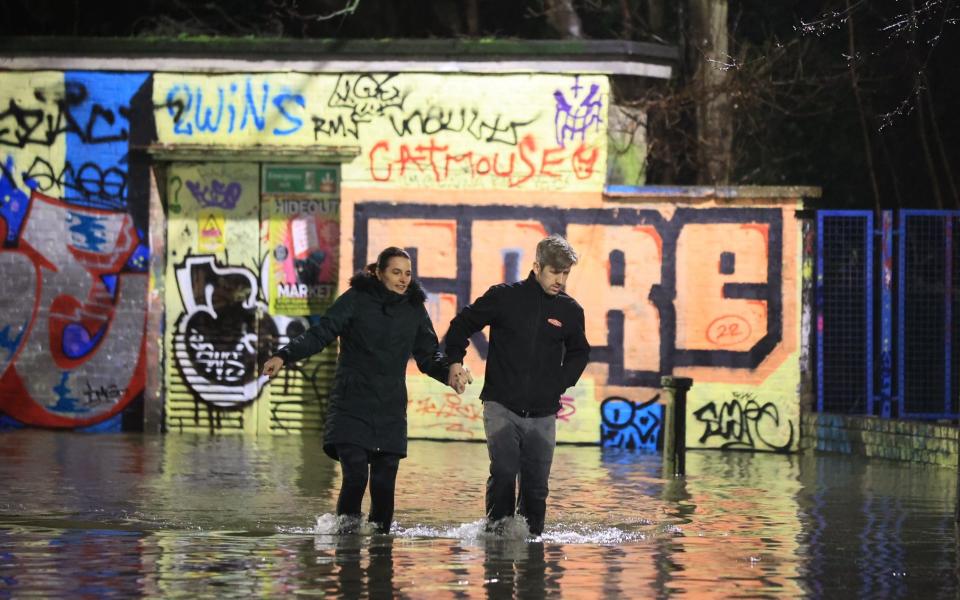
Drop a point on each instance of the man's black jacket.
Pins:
(537, 344)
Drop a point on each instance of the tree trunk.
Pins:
(861, 110)
(627, 16)
(709, 44)
(564, 18)
(473, 18)
(655, 17)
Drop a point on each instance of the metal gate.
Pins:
(844, 297)
(887, 300)
(928, 297)
(251, 255)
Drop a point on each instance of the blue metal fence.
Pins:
(925, 363)
(910, 353)
(844, 292)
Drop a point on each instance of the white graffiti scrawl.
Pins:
(216, 339)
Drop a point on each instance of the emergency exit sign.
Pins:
(299, 179)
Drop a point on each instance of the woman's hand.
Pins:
(272, 366)
(458, 378)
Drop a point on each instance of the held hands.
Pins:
(458, 377)
(272, 366)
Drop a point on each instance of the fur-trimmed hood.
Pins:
(365, 282)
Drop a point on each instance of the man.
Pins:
(537, 350)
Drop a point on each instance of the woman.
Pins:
(381, 322)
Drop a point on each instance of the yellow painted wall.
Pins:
(434, 131)
(219, 327)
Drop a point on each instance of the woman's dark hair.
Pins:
(384, 259)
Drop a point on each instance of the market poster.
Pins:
(304, 241)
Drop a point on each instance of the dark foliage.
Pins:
(855, 96)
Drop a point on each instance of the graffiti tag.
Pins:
(740, 423)
(631, 425)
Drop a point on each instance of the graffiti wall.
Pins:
(224, 243)
(706, 292)
(466, 171)
(72, 220)
(456, 132)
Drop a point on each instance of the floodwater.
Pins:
(92, 516)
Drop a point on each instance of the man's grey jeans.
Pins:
(518, 446)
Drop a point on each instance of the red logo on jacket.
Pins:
(555, 322)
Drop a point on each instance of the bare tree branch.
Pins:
(349, 9)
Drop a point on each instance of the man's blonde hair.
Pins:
(554, 251)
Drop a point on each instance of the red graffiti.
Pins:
(728, 330)
(451, 406)
(518, 166)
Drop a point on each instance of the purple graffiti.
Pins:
(576, 116)
(217, 194)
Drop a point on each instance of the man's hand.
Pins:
(458, 377)
(272, 366)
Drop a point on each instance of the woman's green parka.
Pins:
(379, 331)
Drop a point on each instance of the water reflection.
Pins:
(353, 566)
(897, 544)
(139, 516)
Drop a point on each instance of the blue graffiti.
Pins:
(97, 156)
(280, 102)
(13, 203)
(6, 423)
(88, 232)
(259, 120)
(139, 260)
(205, 124)
(192, 113)
(110, 282)
(631, 425)
(10, 342)
(65, 402)
(112, 425)
(87, 184)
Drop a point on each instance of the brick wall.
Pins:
(929, 443)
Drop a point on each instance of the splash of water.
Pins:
(474, 532)
(329, 528)
(514, 529)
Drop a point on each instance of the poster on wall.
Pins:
(302, 209)
(211, 231)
